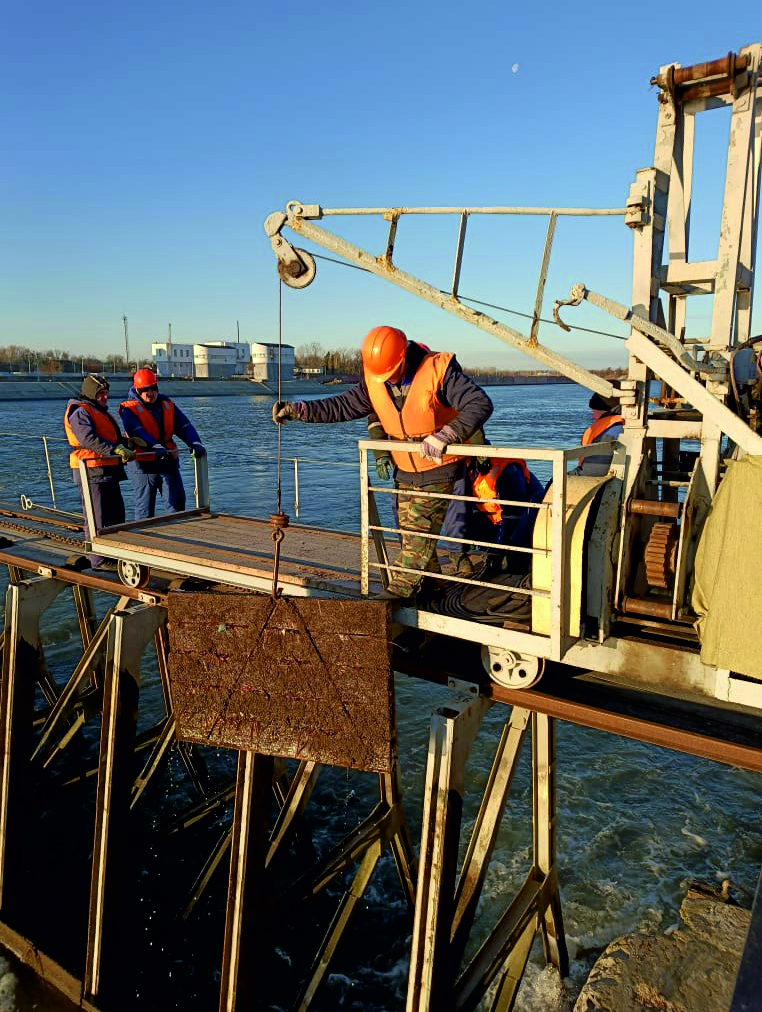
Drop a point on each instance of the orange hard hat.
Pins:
(144, 378)
(383, 352)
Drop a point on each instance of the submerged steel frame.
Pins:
(444, 911)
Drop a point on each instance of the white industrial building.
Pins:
(264, 362)
(210, 360)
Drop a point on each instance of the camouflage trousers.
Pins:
(419, 513)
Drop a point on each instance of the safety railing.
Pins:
(200, 491)
(45, 441)
(554, 509)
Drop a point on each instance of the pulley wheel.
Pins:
(298, 280)
(132, 574)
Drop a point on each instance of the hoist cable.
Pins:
(280, 352)
(479, 302)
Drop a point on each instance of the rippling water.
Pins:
(635, 822)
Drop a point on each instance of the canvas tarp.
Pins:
(727, 572)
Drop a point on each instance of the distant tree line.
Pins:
(18, 358)
(348, 362)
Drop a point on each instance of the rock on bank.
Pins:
(693, 969)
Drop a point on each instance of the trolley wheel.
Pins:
(132, 574)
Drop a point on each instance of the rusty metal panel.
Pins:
(303, 678)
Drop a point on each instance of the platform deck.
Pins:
(239, 551)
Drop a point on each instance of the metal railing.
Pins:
(551, 646)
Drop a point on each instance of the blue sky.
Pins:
(146, 143)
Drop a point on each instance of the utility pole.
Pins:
(169, 352)
(238, 331)
(126, 345)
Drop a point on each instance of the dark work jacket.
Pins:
(457, 391)
(82, 426)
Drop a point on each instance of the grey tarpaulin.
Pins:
(727, 573)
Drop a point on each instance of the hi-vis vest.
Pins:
(106, 428)
(422, 414)
(599, 426)
(485, 486)
(149, 423)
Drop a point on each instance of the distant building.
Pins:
(210, 360)
(173, 360)
(264, 362)
(220, 359)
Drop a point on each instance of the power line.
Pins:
(478, 302)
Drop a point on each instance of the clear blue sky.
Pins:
(145, 144)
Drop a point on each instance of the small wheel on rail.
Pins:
(132, 574)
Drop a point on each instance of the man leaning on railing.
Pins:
(416, 394)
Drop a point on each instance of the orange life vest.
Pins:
(599, 426)
(150, 424)
(106, 428)
(422, 414)
(485, 486)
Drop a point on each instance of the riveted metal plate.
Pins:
(303, 678)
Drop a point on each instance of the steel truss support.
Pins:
(23, 666)
(130, 629)
(444, 913)
(254, 860)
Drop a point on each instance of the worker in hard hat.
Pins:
(416, 395)
(96, 438)
(606, 425)
(154, 420)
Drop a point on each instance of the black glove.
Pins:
(285, 411)
(124, 453)
(160, 451)
(384, 466)
(197, 450)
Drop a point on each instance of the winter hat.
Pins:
(92, 384)
(598, 403)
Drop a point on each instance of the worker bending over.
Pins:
(492, 478)
(97, 439)
(152, 420)
(416, 395)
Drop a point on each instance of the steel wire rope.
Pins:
(479, 302)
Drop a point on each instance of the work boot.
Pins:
(107, 566)
(464, 566)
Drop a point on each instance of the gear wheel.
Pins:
(661, 554)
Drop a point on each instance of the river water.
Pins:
(635, 822)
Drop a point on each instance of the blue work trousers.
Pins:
(146, 486)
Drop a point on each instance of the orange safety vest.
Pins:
(599, 426)
(106, 428)
(485, 486)
(422, 414)
(149, 423)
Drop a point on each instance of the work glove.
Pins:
(197, 450)
(136, 443)
(287, 411)
(483, 465)
(160, 451)
(384, 466)
(434, 446)
(124, 453)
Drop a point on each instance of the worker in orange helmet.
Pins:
(416, 394)
(152, 420)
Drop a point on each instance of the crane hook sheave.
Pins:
(299, 270)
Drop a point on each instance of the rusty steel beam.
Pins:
(695, 729)
(109, 585)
